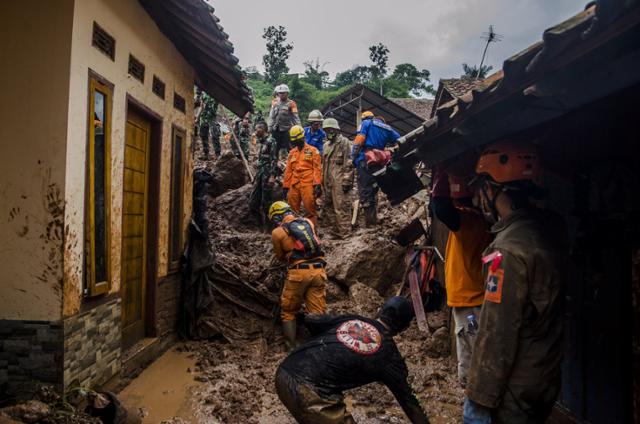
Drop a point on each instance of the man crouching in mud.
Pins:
(346, 352)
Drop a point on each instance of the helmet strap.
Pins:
(491, 201)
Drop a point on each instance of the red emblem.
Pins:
(359, 336)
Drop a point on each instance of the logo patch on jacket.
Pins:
(359, 336)
(493, 286)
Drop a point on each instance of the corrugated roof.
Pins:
(196, 32)
(570, 67)
(345, 107)
(420, 107)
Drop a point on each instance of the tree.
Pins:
(416, 82)
(379, 55)
(314, 75)
(472, 72)
(275, 61)
(356, 75)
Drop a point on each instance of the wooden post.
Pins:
(235, 138)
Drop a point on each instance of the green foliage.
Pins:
(275, 61)
(472, 72)
(379, 55)
(313, 89)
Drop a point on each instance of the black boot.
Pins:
(289, 331)
(370, 216)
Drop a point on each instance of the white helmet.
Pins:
(282, 88)
(330, 123)
(315, 116)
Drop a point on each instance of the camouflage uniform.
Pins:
(244, 137)
(515, 365)
(262, 193)
(337, 181)
(207, 121)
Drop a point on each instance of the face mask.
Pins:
(331, 136)
(298, 144)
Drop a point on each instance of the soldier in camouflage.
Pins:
(242, 130)
(207, 122)
(262, 193)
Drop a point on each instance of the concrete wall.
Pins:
(34, 82)
(137, 34)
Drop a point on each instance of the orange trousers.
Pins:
(308, 285)
(304, 195)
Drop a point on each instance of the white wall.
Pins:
(34, 79)
(135, 33)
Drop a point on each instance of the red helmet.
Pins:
(507, 162)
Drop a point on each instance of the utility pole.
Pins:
(489, 37)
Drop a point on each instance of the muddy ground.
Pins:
(238, 376)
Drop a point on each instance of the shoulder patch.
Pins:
(359, 336)
(493, 286)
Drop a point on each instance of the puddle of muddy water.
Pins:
(164, 389)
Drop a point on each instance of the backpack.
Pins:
(306, 244)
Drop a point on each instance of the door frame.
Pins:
(152, 218)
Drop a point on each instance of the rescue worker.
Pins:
(282, 116)
(313, 133)
(337, 179)
(346, 352)
(262, 193)
(207, 120)
(242, 130)
(515, 367)
(373, 133)
(302, 181)
(296, 243)
(452, 204)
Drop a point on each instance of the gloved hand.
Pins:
(285, 192)
(317, 190)
(474, 413)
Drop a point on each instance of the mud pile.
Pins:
(239, 378)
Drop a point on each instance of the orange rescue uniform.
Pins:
(306, 279)
(463, 267)
(303, 172)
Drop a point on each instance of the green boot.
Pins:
(289, 331)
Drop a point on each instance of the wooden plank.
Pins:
(133, 225)
(135, 159)
(133, 203)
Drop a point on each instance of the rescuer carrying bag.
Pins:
(306, 244)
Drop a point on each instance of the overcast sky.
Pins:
(438, 35)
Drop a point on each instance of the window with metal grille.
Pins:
(158, 87)
(178, 102)
(136, 68)
(102, 41)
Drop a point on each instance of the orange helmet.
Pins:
(507, 162)
(459, 187)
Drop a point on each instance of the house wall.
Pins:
(34, 82)
(92, 335)
(137, 34)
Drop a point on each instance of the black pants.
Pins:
(283, 142)
(367, 186)
(261, 197)
(204, 136)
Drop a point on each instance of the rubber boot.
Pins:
(289, 331)
(370, 216)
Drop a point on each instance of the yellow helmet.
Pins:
(278, 208)
(366, 115)
(296, 133)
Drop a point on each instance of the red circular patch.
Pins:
(359, 336)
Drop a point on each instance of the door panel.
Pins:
(134, 220)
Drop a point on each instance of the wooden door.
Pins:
(134, 224)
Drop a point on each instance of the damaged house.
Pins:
(97, 145)
(573, 94)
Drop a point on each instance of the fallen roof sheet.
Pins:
(526, 78)
(345, 107)
(197, 34)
